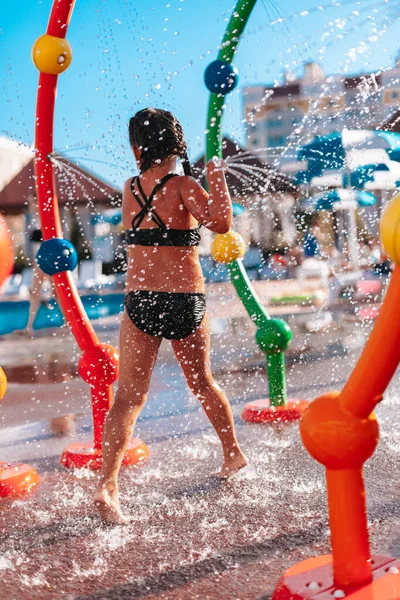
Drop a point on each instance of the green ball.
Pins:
(274, 336)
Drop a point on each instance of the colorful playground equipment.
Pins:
(340, 431)
(98, 365)
(20, 478)
(273, 335)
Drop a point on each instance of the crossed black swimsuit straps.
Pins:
(160, 235)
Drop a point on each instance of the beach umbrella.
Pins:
(238, 209)
(379, 176)
(349, 158)
(336, 200)
(384, 176)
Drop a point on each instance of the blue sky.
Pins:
(132, 53)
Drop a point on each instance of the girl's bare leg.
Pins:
(193, 354)
(138, 356)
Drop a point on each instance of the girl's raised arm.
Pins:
(213, 210)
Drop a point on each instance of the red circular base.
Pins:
(79, 455)
(17, 479)
(313, 578)
(261, 411)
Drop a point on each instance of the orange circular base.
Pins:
(17, 479)
(79, 455)
(313, 578)
(261, 411)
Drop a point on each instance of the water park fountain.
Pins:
(57, 257)
(273, 335)
(338, 429)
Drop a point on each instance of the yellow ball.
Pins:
(227, 247)
(51, 55)
(390, 229)
(3, 384)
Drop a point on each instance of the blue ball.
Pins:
(56, 256)
(221, 77)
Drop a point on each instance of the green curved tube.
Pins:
(247, 293)
(266, 327)
(230, 41)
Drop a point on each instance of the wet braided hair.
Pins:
(158, 135)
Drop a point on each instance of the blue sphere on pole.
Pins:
(56, 256)
(221, 77)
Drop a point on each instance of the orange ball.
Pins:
(3, 384)
(336, 438)
(99, 365)
(51, 55)
(6, 252)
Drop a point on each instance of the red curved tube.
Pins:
(60, 17)
(67, 293)
(74, 312)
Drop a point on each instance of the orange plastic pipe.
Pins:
(380, 357)
(349, 528)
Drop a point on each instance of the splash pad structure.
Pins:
(273, 336)
(19, 478)
(352, 571)
(98, 365)
(341, 432)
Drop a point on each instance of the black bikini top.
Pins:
(161, 235)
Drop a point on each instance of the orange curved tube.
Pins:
(379, 359)
(348, 524)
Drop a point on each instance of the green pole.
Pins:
(276, 378)
(273, 335)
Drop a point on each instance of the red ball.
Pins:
(6, 251)
(99, 365)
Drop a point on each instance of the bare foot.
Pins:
(233, 464)
(108, 506)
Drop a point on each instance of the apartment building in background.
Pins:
(316, 104)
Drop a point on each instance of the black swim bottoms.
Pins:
(173, 316)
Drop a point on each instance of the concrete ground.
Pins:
(191, 536)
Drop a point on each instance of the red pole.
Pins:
(51, 226)
(101, 404)
(60, 17)
(98, 364)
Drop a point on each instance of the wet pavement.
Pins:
(191, 536)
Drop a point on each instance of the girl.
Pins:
(162, 213)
